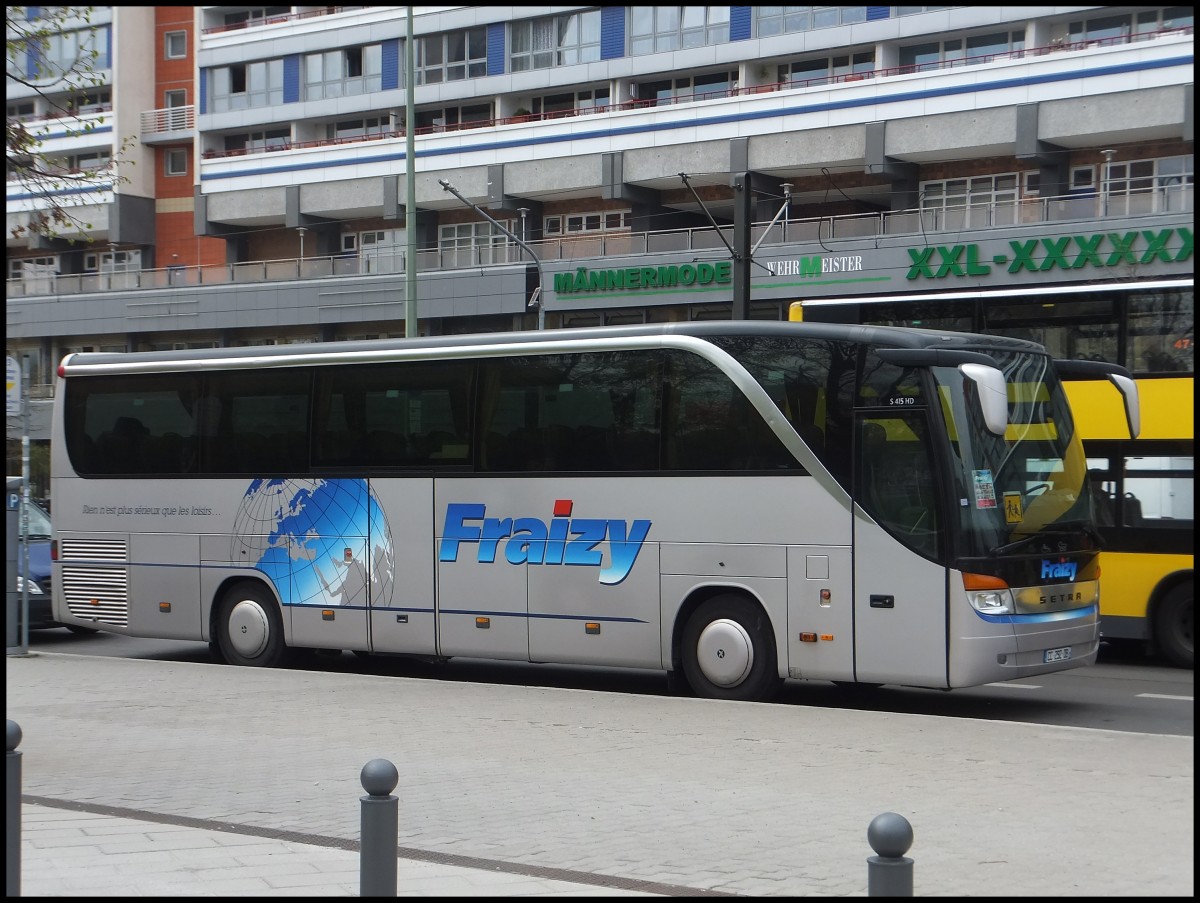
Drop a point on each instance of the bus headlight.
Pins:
(31, 586)
(992, 602)
(988, 595)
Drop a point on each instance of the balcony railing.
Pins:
(170, 119)
(609, 245)
(273, 20)
(1058, 47)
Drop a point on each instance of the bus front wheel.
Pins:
(249, 627)
(729, 651)
(1174, 627)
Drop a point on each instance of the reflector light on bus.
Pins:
(808, 637)
(982, 581)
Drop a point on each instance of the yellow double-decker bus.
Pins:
(1144, 486)
(1145, 490)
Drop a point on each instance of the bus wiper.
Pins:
(1015, 544)
(1059, 528)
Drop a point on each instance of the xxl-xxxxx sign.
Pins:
(1069, 252)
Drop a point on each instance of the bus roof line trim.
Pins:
(388, 355)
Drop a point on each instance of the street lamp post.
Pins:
(536, 297)
(1106, 178)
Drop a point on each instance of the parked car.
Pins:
(36, 537)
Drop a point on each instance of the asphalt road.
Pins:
(1125, 691)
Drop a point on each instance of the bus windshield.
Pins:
(1024, 492)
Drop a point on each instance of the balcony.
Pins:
(169, 126)
(1090, 211)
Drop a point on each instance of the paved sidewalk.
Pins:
(74, 854)
(193, 779)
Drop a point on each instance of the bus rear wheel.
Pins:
(729, 651)
(1174, 627)
(250, 628)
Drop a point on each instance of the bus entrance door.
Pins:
(900, 613)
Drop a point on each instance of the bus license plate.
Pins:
(1057, 655)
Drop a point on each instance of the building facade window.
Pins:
(382, 251)
(244, 86)
(253, 142)
(571, 101)
(358, 128)
(452, 56)
(977, 202)
(175, 162)
(255, 16)
(63, 52)
(471, 244)
(35, 266)
(94, 100)
(175, 45)
(90, 161)
(346, 72)
(655, 29)
(555, 41)
(584, 223)
(1149, 186)
(24, 109)
(824, 69)
(978, 48)
(773, 20)
(113, 261)
(454, 117)
(673, 90)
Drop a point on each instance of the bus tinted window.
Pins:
(133, 424)
(712, 425)
(256, 421)
(812, 382)
(414, 414)
(569, 412)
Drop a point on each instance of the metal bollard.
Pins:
(890, 872)
(12, 810)
(380, 826)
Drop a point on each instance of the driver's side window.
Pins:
(896, 482)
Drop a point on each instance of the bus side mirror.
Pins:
(992, 395)
(1118, 376)
(1129, 393)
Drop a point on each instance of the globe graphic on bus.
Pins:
(319, 541)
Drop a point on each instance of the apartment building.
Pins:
(1026, 169)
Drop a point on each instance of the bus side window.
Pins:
(122, 448)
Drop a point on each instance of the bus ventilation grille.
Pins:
(91, 587)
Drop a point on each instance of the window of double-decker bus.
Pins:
(1162, 328)
(1079, 329)
(1144, 492)
(955, 316)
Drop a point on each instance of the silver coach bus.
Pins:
(734, 503)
